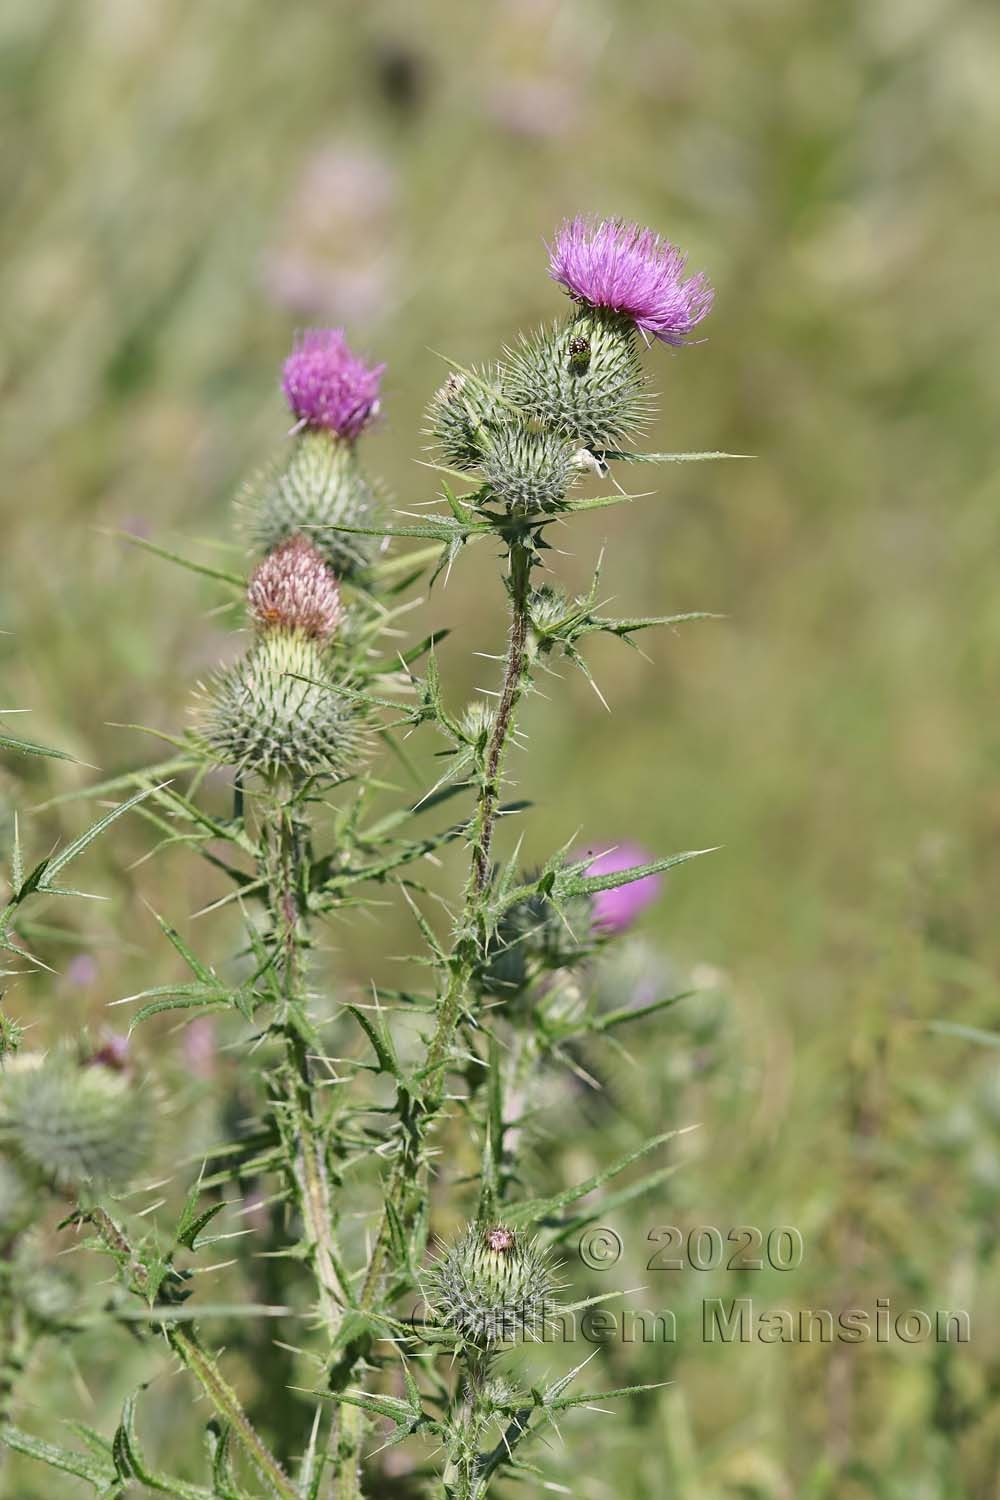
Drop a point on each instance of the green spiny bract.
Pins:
(277, 712)
(492, 1285)
(461, 413)
(528, 470)
(581, 378)
(533, 937)
(320, 488)
(72, 1122)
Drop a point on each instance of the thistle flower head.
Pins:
(619, 266)
(326, 385)
(293, 589)
(492, 1284)
(617, 909)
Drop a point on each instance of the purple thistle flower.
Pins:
(328, 386)
(610, 263)
(617, 909)
(293, 589)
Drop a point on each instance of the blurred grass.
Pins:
(183, 185)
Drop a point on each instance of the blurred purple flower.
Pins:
(199, 1047)
(328, 386)
(113, 1052)
(81, 970)
(617, 909)
(610, 263)
(333, 260)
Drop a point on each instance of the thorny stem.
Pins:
(310, 1167)
(471, 933)
(288, 894)
(461, 1477)
(194, 1358)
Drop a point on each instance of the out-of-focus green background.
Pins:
(183, 185)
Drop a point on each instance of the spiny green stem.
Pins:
(226, 1403)
(404, 1179)
(194, 1358)
(311, 1179)
(471, 934)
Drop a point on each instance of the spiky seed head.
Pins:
(533, 936)
(461, 413)
(328, 386)
(74, 1123)
(582, 379)
(294, 589)
(277, 712)
(528, 470)
(492, 1285)
(320, 488)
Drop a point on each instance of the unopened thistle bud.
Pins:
(74, 1123)
(528, 471)
(462, 412)
(320, 489)
(277, 712)
(294, 589)
(582, 379)
(492, 1285)
(535, 937)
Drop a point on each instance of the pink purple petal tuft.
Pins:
(612, 264)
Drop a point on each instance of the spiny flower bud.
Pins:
(533, 937)
(526, 470)
(461, 413)
(276, 712)
(74, 1123)
(547, 607)
(293, 589)
(492, 1285)
(328, 386)
(320, 489)
(582, 378)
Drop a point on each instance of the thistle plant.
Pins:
(356, 1101)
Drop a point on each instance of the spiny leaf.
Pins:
(588, 885)
(28, 747)
(235, 579)
(534, 1209)
(96, 1473)
(62, 859)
